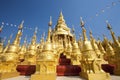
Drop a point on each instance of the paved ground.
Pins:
(60, 78)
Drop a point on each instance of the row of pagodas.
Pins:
(89, 54)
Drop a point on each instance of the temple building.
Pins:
(60, 54)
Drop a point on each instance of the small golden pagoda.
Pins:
(31, 54)
(103, 52)
(91, 62)
(6, 47)
(109, 56)
(46, 62)
(68, 49)
(116, 55)
(76, 53)
(10, 57)
(97, 47)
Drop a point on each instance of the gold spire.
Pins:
(33, 42)
(8, 44)
(21, 25)
(49, 33)
(105, 39)
(50, 22)
(10, 38)
(49, 30)
(83, 29)
(61, 18)
(61, 23)
(84, 34)
(101, 48)
(42, 37)
(82, 22)
(1, 28)
(24, 44)
(91, 36)
(73, 30)
(18, 36)
(112, 33)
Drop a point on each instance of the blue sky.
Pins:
(36, 13)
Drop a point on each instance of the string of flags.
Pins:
(14, 25)
(108, 6)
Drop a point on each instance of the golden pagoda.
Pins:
(76, 53)
(91, 62)
(6, 47)
(10, 57)
(103, 52)
(46, 62)
(116, 55)
(109, 56)
(97, 47)
(61, 42)
(31, 54)
(63, 37)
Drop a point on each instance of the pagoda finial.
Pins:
(61, 25)
(61, 13)
(49, 33)
(73, 30)
(108, 25)
(83, 29)
(1, 28)
(25, 40)
(50, 22)
(18, 36)
(5, 49)
(61, 19)
(105, 39)
(112, 33)
(81, 22)
(10, 39)
(36, 30)
(34, 37)
(21, 25)
(91, 36)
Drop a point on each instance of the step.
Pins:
(68, 70)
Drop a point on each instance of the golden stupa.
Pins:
(31, 54)
(91, 59)
(115, 55)
(61, 40)
(9, 59)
